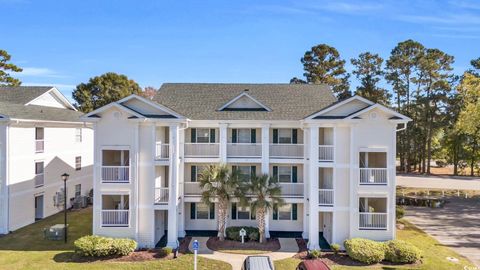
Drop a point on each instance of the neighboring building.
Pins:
(335, 161)
(41, 137)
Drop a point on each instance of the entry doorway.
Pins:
(325, 221)
(161, 224)
(39, 207)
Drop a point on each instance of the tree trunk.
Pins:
(222, 218)
(260, 215)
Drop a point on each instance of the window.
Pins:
(203, 135)
(39, 133)
(285, 212)
(196, 171)
(78, 135)
(285, 136)
(39, 173)
(245, 172)
(243, 212)
(202, 211)
(284, 174)
(78, 163)
(78, 190)
(244, 135)
(39, 140)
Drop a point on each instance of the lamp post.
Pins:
(65, 178)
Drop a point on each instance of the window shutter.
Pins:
(234, 135)
(234, 210)
(193, 135)
(212, 211)
(275, 135)
(253, 170)
(275, 212)
(212, 135)
(193, 174)
(275, 173)
(294, 174)
(294, 211)
(253, 135)
(294, 136)
(234, 168)
(192, 210)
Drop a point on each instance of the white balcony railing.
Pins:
(292, 189)
(371, 221)
(373, 176)
(244, 150)
(161, 195)
(39, 180)
(115, 174)
(202, 149)
(326, 152)
(278, 150)
(192, 188)
(161, 151)
(115, 218)
(39, 146)
(325, 197)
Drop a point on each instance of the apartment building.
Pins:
(335, 161)
(41, 137)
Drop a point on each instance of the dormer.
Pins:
(244, 102)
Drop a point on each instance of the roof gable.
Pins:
(374, 111)
(342, 109)
(244, 102)
(52, 98)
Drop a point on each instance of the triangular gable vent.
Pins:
(244, 102)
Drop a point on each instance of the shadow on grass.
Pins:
(137, 256)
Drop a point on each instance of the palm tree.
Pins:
(217, 182)
(265, 194)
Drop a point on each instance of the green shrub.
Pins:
(314, 253)
(398, 251)
(335, 248)
(98, 246)
(167, 250)
(233, 233)
(399, 212)
(364, 250)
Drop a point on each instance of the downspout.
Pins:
(7, 176)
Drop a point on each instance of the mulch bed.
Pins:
(214, 243)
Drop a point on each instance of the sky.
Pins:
(64, 43)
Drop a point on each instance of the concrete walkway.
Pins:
(457, 225)
(288, 248)
(439, 182)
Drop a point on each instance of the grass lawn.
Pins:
(26, 249)
(434, 254)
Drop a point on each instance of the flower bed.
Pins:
(249, 247)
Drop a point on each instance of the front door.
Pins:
(38, 207)
(327, 226)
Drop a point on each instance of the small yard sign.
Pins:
(243, 233)
(195, 246)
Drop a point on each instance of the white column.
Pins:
(306, 181)
(265, 148)
(313, 230)
(181, 185)
(172, 237)
(223, 142)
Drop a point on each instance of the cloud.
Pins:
(39, 72)
(457, 19)
(465, 4)
(350, 8)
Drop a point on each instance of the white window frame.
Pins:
(290, 137)
(78, 163)
(78, 135)
(244, 131)
(291, 211)
(279, 174)
(197, 208)
(42, 173)
(198, 133)
(78, 192)
(244, 209)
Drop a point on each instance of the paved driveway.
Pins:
(457, 225)
(439, 182)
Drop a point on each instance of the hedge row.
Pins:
(368, 251)
(233, 233)
(98, 246)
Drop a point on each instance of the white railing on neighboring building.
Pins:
(244, 150)
(39, 146)
(281, 150)
(115, 174)
(39, 180)
(373, 176)
(161, 151)
(115, 218)
(161, 195)
(325, 197)
(326, 152)
(192, 188)
(291, 189)
(373, 220)
(202, 149)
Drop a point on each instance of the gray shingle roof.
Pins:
(202, 101)
(13, 100)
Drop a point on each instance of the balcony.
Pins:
(372, 221)
(326, 153)
(39, 146)
(161, 195)
(210, 150)
(244, 150)
(115, 218)
(161, 151)
(278, 150)
(292, 189)
(192, 188)
(373, 176)
(115, 174)
(325, 197)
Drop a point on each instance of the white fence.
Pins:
(115, 218)
(202, 149)
(161, 195)
(286, 150)
(292, 189)
(325, 197)
(39, 146)
(244, 150)
(161, 151)
(373, 221)
(116, 174)
(373, 176)
(326, 152)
